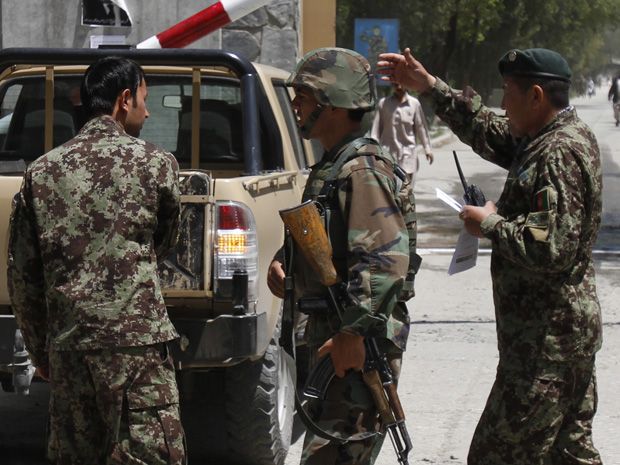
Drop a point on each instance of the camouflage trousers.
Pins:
(348, 410)
(540, 416)
(114, 407)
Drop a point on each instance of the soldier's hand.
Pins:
(405, 70)
(347, 352)
(473, 216)
(430, 158)
(275, 278)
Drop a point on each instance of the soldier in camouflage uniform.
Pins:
(542, 230)
(333, 90)
(91, 220)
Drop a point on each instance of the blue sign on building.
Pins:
(375, 36)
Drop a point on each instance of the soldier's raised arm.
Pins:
(405, 70)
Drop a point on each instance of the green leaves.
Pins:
(461, 40)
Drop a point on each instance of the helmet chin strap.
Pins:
(306, 128)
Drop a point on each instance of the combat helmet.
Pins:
(337, 77)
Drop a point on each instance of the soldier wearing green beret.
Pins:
(542, 229)
(358, 188)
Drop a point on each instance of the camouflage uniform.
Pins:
(371, 246)
(541, 407)
(88, 225)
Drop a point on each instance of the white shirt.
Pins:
(398, 126)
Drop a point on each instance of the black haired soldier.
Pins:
(91, 220)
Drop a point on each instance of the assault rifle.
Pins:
(306, 227)
(473, 194)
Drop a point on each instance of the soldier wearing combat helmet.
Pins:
(542, 231)
(338, 78)
(356, 183)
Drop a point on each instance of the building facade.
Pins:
(276, 34)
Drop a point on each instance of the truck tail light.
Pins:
(236, 248)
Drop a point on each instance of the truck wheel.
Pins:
(260, 410)
(7, 385)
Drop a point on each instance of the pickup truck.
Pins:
(231, 127)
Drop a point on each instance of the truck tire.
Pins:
(260, 410)
(7, 384)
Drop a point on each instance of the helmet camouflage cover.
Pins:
(338, 77)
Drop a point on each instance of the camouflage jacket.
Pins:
(542, 235)
(88, 225)
(370, 248)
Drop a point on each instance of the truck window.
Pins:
(284, 99)
(170, 122)
(7, 109)
(22, 118)
(22, 126)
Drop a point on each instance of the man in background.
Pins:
(399, 125)
(614, 96)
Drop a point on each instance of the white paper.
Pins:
(441, 195)
(465, 253)
(466, 250)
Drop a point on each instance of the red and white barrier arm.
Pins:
(202, 23)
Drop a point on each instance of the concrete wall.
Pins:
(269, 35)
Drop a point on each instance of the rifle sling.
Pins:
(320, 432)
(287, 337)
(287, 332)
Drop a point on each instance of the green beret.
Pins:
(535, 62)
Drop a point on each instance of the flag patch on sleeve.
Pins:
(544, 200)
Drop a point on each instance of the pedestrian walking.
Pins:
(91, 220)
(614, 96)
(542, 230)
(399, 126)
(357, 186)
(591, 88)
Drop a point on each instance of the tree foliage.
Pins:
(462, 40)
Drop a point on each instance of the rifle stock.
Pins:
(306, 226)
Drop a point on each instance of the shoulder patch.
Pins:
(544, 200)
